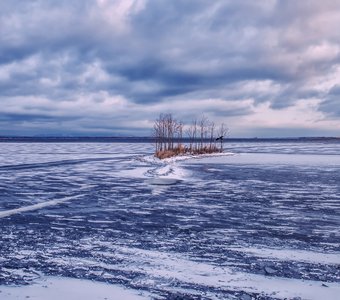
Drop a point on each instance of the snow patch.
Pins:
(56, 288)
(7, 213)
(292, 255)
(164, 267)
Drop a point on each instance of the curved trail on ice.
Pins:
(15, 211)
(169, 168)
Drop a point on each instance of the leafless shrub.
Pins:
(168, 136)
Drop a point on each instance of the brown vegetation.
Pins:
(200, 134)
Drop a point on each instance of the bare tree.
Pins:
(179, 130)
(168, 136)
(202, 127)
(190, 134)
(156, 134)
(222, 132)
(194, 134)
(211, 134)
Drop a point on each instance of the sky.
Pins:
(266, 68)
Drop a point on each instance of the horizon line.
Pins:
(150, 137)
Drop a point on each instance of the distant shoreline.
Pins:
(7, 139)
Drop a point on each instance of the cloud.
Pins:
(331, 104)
(114, 65)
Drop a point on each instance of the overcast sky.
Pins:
(109, 67)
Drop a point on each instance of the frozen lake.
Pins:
(261, 221)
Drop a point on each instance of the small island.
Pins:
(174, 138)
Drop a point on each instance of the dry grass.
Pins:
(185, 150)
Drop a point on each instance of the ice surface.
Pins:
(7, 213)
(263, 222)
(55, 288)
(270, 159)
(293, 255)
(168, 267)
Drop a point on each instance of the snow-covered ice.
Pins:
(56, 288)
(293, 255)
(259, 221)
(7, 213)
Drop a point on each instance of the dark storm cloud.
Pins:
(16, 117)
(331, 104)
(120, 54)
